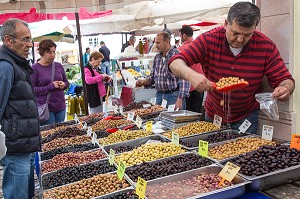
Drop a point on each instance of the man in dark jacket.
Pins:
(18, 110)
(105, 65)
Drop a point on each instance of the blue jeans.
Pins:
(18, 177)
(55, 117)
(170, 97)
(105, 67)
(253, 118)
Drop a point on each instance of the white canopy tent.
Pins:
(152, 14)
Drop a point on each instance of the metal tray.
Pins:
(202, 136)
(81, 165)
(234, 191)
(163, 159)
(173, 125)
(104, 152)
(114, 193)
(278, 141)
(114, 172)
(135, 142)
(181, 116)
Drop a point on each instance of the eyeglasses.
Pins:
(24, 39)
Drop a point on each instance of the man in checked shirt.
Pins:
(168, 86)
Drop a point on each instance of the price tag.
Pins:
(153, 100)
(130, 116)
(229, 171)
(217, 121)
(94, 138)
(76, 118)
(175, 138)
(121, 110)
(121, 169)
(149, 126)
(164, 103)
(111, 157)
(171, 107)
(295, 141)
(243, 128)
(141, 185)
(138, 121)
(267, 132)
(89, 131)
(115, 109)
(84, 126)
(146, 105)
(203, 148)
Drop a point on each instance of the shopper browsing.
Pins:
(235, 49)
(105, 65)
(169, 87)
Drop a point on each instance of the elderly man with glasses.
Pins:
(18, 111)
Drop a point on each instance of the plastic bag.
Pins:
(268, 105)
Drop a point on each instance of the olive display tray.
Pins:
(103, 151)
(173, 125)
(198, 137)
(272, 179)
(113, 172)
(129, 189)
(278, 141)
(81, 165)
(163, 159)
(181, 116)
(135, 142)
(234, 191)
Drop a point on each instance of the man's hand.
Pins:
(284, 90)
(200, 82)
(178, 104)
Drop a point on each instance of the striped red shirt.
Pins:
(259, 57)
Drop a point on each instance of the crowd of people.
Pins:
(180, 74)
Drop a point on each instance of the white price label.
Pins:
(153, 100)
(76, 118)
(164, 103)
(175, 138)
(171, 107)
(146, 105)
(246, 124)
(121, 110)
(89, 131)
(84, 126)
(267, 132)
(94, 138)
(217, 121)
(115, 109)
(138, 121)
(130, 116)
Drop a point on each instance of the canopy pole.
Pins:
(81, 63)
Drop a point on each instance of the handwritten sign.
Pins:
(138, 121)
(295, 141)
(229, 171)
(121, 110)
(267, 132)
(111, 157)
(141, 186)
(89, 131)
(121, 169)
(153, 100)
(130, 116)
(175, 138)
(149, 126)
(245, 125)
(76, 118)
(203, 148)
(164, 103)
(171, 107)
(217, 121)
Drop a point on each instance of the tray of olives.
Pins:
(197, 183)
(128, 193)
(93, 187)
(192, 143)
(166, 166)
(231, 148)
(181, 116)
(132, 144)
(75, 173)
(269, 166)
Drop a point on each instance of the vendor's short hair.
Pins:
(45, 45)
(102, 42)
(87, 48)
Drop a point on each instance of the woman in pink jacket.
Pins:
(95, 82)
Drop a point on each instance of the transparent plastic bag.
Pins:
(268, 105)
